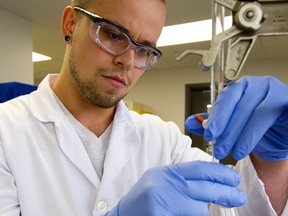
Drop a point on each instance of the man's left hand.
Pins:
(250, 115)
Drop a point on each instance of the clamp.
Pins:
(251, 19)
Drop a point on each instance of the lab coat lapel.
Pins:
(73, 148)
(124, 141)
(69, 140)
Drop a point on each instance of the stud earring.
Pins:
(67, 38)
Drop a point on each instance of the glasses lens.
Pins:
(145, 57)
(112, 38)
(116, 42)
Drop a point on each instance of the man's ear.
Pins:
(68, 21)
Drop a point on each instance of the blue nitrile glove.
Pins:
(250, 115)
(181, 189)
(194, 126)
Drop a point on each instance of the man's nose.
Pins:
(126, 60)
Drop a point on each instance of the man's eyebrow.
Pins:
(145, 42)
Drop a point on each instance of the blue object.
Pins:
(11, 90)
(182, 189)
(195, 126)
(250, 115)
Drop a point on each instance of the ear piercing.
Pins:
(67, 38)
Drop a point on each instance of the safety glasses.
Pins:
(115, 41)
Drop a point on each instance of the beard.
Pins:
(88, 89)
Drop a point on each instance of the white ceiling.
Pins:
(46, 15)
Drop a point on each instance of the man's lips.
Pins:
(117, 80)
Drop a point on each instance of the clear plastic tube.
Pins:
(216, 210)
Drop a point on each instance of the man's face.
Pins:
(100, 77)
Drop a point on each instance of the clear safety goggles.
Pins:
(115, 41)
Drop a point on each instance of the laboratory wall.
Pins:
(16, 45)
(163, 91)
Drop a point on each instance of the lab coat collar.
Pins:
(68, 138)
(44, 97)
(124, 140)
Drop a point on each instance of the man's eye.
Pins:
(143, 52)
(115, 36)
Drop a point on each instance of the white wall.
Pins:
(163, 91)
(16, 45)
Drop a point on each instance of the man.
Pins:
(73, 148)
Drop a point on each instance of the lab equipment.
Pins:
(251, 19)
(202, 120)
(178, 190)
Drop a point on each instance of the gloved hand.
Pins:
(181, 189)
(249, 115)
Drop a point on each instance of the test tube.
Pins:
(204, 122)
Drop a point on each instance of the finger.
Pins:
(189, 208)
(215, 193)
(194, 126)
(222, 110)
(186, 206)
(206, 171)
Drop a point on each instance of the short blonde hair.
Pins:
(84, 3)
(80, 3)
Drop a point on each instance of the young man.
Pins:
(73, 148)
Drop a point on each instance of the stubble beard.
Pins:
(89, 90)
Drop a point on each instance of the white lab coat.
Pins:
(45, 169)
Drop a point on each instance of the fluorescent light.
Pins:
(190, 32)
(36, 57)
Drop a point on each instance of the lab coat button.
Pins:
(101, 206)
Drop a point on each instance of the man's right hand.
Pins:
(181, 189)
